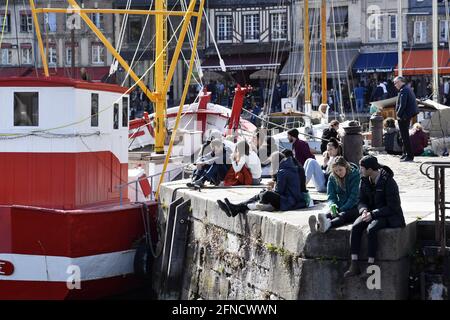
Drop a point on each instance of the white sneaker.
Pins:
(324, 223)
(264, 207)
(312, 223)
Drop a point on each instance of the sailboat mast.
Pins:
(435, 52)
(323, 15)
(160, 53)
(39, 38)
(306, 55)
(400, 37)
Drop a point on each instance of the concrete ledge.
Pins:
(273, 255)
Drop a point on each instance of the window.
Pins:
(68, 56)
(26, 109)
(279, 26)
(5, 22)
(6, 56)
(225, 28)
(94, 110)
(393, 27)
(98, 20)
(116, 116)
(98, 52)
(26, 23)
(52, 56)
(135, 30)
(338, 21)
(443, 30)
(50, 22)
(124, 112)
(27, 55)
(375, 27)
(420, 32)
(251, 27)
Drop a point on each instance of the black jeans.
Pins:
(266, 197)
(372, 228)
(344, 218)
(404, 132)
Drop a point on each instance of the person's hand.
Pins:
(367, 216)
(326, 158)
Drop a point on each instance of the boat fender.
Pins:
(143, 260)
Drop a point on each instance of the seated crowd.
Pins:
(364, 195)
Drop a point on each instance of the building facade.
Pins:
(20, 46)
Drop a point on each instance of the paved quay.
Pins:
(273, 255)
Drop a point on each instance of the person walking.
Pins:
(406, 109)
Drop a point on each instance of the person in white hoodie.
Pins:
(244, 156)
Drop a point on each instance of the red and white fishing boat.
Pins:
(63, 231)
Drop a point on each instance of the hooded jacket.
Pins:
(347, 198)
(382, 198)
(288, 186)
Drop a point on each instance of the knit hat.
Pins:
(370, 162)
(294, 133)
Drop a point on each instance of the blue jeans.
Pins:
(314, 171)
(360, 105)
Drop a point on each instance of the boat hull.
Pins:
(79, 254)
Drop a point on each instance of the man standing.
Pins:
(360, 94)
(406, 109)
(300, 148)
(379, 208)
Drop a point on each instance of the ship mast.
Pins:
(306, 55)
(400, 37)
(160, 53)
(323, 33)
(435, 52)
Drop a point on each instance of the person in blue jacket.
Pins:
(343, 192)
(282, 194)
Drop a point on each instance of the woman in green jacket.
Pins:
(343, 194)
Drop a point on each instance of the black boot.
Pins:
(354, 270)
(235, 209)
(224, 207)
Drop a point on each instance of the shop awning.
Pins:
(376, 62)
(341, 65)
(420, 62)
(97, 74)
(233, 63)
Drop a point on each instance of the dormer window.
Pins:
(26, 109)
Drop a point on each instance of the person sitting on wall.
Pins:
(418, 138)
(282, 194)
(391, 138)
(328, 133)
(319, 174)
(264, 145)
(300, 148)
(213, 166)
(379, 208)
(342, 190)
(245, 166)
(301, 174)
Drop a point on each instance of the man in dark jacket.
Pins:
(379, 208)
(286, 195)
(406, 109)
(328, 133)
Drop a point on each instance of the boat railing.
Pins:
(435, 170)
(151, 179)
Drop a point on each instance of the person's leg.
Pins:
(404, 132)
(355, 245)
(345, 218)
(212, 175)
(314, 173)
(271, 198)
(372, 237)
